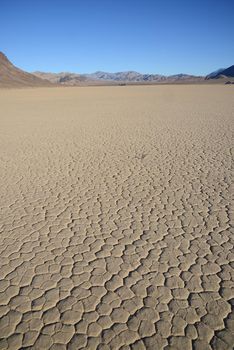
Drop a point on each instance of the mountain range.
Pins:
(119, 77)
(11, 76)
(129, 77)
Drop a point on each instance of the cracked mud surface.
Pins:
(115, 218)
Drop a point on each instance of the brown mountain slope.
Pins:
(11, 76)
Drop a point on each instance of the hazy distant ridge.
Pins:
(128, 76)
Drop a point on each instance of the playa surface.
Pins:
(115, 218)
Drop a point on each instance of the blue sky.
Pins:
(152, 36)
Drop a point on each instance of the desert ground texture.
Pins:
(115, 218)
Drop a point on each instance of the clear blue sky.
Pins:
(153, 36)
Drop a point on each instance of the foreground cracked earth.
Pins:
(115, 226)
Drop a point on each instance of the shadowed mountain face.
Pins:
(222, 73)
(213, 74)
(228, 72)
(11, 76)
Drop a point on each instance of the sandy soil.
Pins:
(115, 226)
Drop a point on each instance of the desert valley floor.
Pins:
(115, 218)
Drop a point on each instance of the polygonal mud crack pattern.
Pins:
(116, 220)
